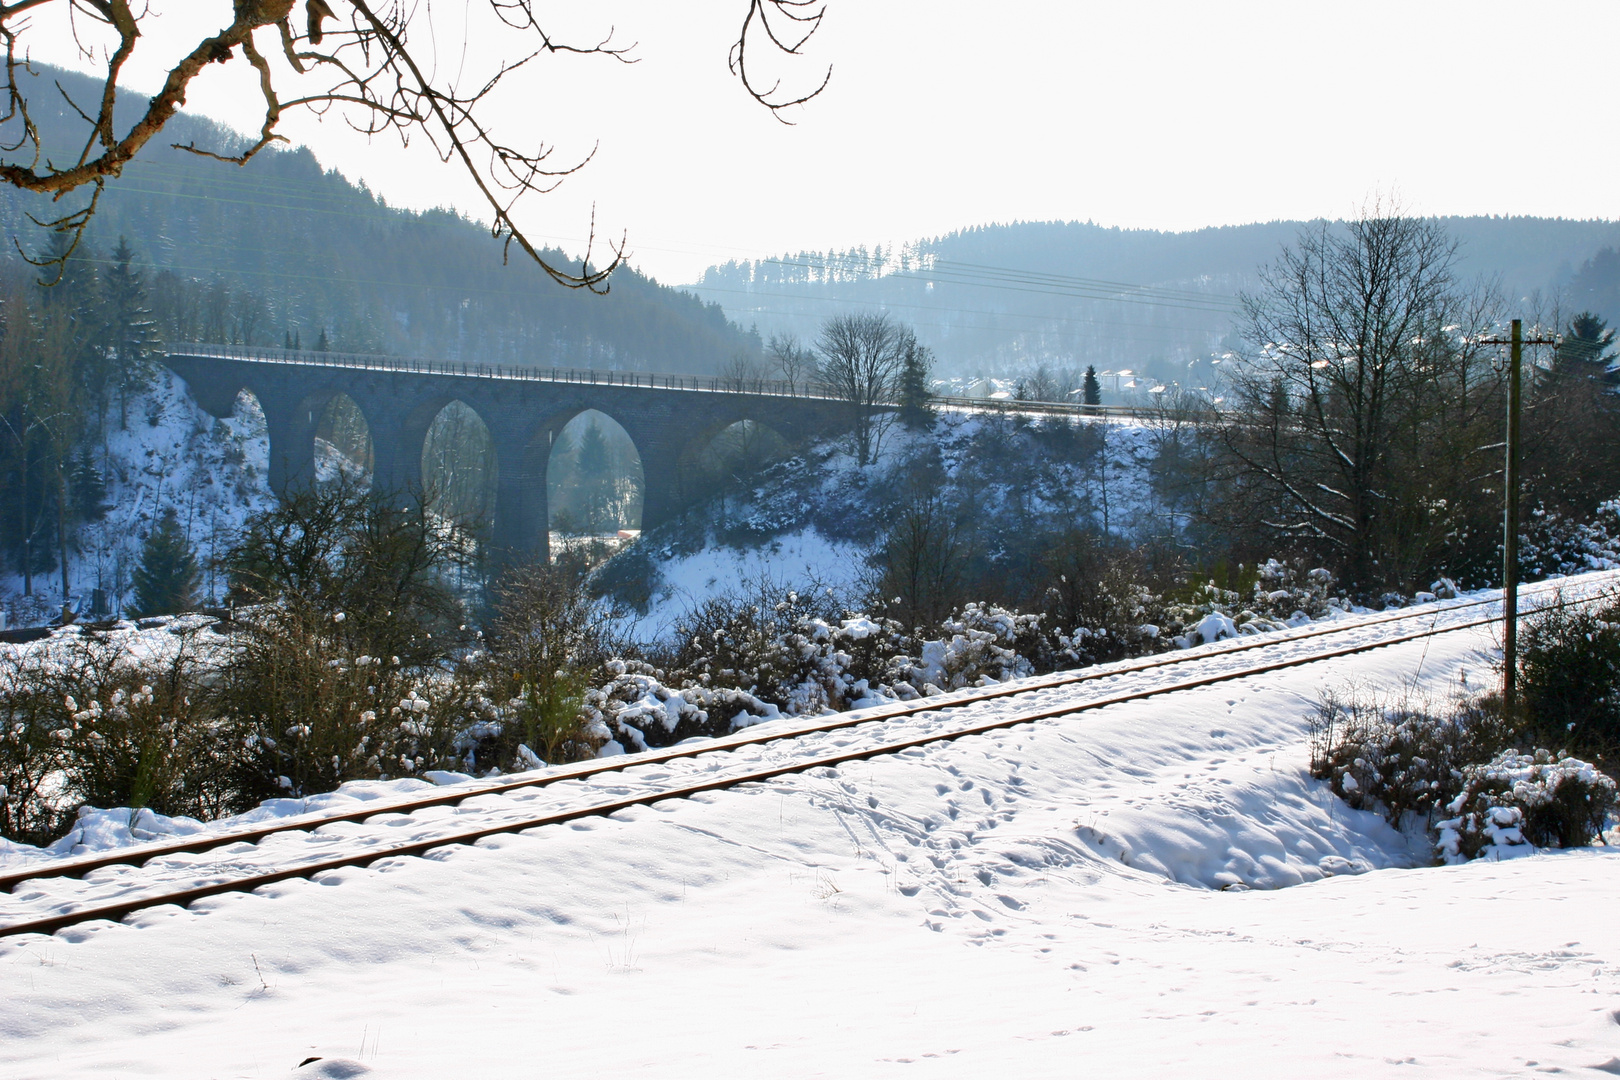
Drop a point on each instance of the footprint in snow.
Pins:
(330, 1068)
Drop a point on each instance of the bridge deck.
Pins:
(710, 384)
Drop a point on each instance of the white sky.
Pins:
(950, 114)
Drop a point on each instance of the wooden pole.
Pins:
(1510, 529)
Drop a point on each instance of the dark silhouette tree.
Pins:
(595, 474)
(1091, 389)
(89, 488)
(166, 579)
(1587, 349)
(915, 411)
(130, 338)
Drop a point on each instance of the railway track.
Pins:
(129, 894)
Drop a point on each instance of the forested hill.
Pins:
(280, 247)
(1001, 297)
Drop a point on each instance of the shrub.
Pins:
(30, 757)
(1395, 759)
(547, 642)
(1416, 768)
(343, 665)
(143, 731)
(1287, 591)
(1095, 605)
(316, 711)
(797, 651)
(978, 644)
(89, 720)
(639, 712)
(1569, 678)
(1517, 798)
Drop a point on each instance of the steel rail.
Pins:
(118, 909)
(136, 855)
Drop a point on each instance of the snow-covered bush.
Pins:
(637, 711)
(1286, 591)
(1397, 759)
(979, 644)
(547, 643)
(1517, 799)
(848, 663)
(1215, 614)
(797, 651)
(1551, 543)
(31, 714)
(1448, 773)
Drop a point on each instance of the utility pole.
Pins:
(1510, 515)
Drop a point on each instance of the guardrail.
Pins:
(711, 384)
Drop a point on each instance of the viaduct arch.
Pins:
(523, 408)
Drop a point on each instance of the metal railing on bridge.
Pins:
(711, 384)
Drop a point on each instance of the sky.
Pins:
(948, 114)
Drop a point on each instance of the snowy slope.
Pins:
(1040, 901)
(813, 522)
(212, 472)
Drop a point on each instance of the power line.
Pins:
(739, 311)
(1058, 284)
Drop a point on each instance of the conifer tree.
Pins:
(89, 488)
(1587, 348)
(595, 478)
(166, 580)
(915, 412)
(1090, 388)
(131, 336)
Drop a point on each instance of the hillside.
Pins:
(998, 298)
(289, 248)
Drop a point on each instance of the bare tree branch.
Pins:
(365, 67)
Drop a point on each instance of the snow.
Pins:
(800, 559)
(1151, 888)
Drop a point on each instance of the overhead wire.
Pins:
(353, 204)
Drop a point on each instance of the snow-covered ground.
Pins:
(1044, 900)
(800, 560)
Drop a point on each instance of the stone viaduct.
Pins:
(667, 416)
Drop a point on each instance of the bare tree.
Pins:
(366, 66)
(1360, 424)
(793, 360)
(923, 559)
(744, 374)
(862, 357)
(1043, 384)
